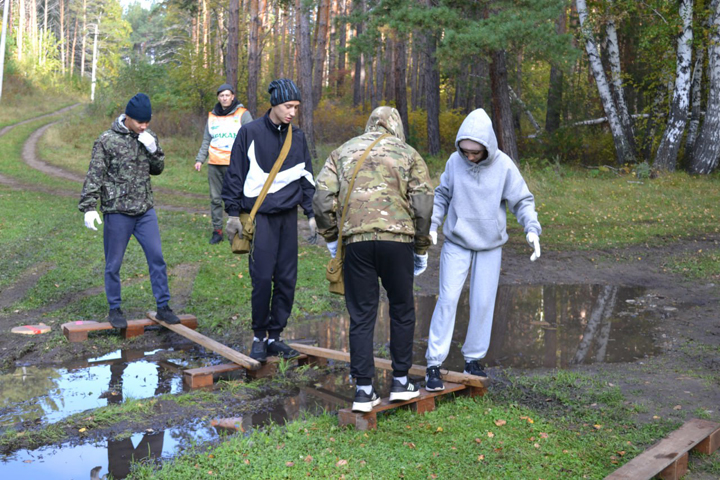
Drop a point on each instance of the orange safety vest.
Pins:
(223, 131)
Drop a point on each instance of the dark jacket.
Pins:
(119, 172)
(254, 152)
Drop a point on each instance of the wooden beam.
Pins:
(418, 370)
(210, 344)
(78, 331)
(668, 457)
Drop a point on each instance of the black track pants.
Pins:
(273, 270)
(392, 262)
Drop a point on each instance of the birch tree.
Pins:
(623, 148)
(707, 146)
(666, 156)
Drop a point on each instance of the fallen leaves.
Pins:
(500, 423)
(341, 463)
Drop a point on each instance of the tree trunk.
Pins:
(707, 146)
(74, 45)
(6, 10)
(617, 84)
(623, 147)
(417, 40)
(379, 74)
(666, 157)
(321, 34)
(389, 70)
(253, 57)
(305, 76)
(342, 42)
(94, 64)
(555, 88)
(359, 79)
(695, 105)
(427, 43)
(84, 38)
(206, 31)
(233, 41)
(370, 84)
(61, 37)
(21, 28)
(400, 83)
(502, 113)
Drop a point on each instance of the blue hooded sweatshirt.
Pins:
(475, 197)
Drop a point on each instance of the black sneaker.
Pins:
(278, 348)
(167, 315)
(259, 350)
(400, 392)
(365, 402)
(116, 318)
(217, 237)
(433, 382)
(475, 368)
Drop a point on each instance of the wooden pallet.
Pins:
(205, 376)
(316, 353)
(78, 331)
(668, 459)
(425, 402)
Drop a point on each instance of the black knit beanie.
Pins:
(283, 90)
(225, 86)
(139, 109)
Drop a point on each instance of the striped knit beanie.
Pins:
(283, 90)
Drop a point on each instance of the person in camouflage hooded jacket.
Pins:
(123, 158)
(386, 233)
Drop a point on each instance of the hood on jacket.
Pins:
(386, 120)
(118, 126)
(477, 127)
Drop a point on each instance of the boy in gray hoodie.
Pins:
(479, 183)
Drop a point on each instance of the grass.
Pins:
(698, 265)
(490, 434)
(19, 94)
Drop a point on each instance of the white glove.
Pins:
(332, 248)
(312, 225)
(92, 216)
(420, 263)
(433, 236)
(232, 227)
(534, 242)
(149, 141)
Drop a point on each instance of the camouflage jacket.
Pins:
(119, 172)
(392, 198)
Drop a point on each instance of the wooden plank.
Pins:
(667, 452)
(210, 344)
(418, 370)
(78, 331)
(425, 402)
(710, 444)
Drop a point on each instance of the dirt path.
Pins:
(7, 128)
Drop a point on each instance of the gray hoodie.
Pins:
(475, 196)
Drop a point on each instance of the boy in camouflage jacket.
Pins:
(123, 158)
(386, 235)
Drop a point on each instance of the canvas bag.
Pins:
(334, 270)
(241, 243)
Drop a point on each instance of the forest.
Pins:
(586, 82)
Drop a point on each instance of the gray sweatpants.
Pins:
(216, 174)
(484, 266)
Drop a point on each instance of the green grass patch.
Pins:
(698, 266)
(490, 434)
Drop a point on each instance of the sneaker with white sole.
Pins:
(433, 379)
(400, 392)
(365, 402)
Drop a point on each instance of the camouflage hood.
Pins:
(477, 127)
(118, 126)
(386, 120)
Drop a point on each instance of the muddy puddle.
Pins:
(535, 327)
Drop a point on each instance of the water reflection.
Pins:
(51, 394)
(535, 326)
(96, 461)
